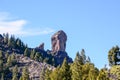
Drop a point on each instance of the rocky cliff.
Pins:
(58, 41)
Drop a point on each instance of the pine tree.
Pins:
(37, 56)
(112, 56)
(14, 61)
(76, 68)
(93, 73)
(88, 59)
(85, 70)
(15, 73)
(114, 72)
(65, 71)
(13, 56)
(83, 56)
(9, 61)
(56, 75)
(103, 75)
(6, 37)
(32, 54)
(26, 52)
(47, 74)
(42, 74)
(78, 58)
(25, 74)
(18, 43)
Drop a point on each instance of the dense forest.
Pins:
(13, 49)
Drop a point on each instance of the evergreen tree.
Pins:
(18, 43)
(85, 70)
(42, 74)
(26, 52)
(11, 42)
(56, 75)
(15, 73)
(83, 56)
(9, 61)
(13, 56)
(47, 74)
(25, 74)
(65, 71)
(112, 56)
(76, 68)
(93, 73)
(103, 75)
(37, 56)
(78, 58)
(6, 37)
(32, 54)
(88, 59)
(114, 72)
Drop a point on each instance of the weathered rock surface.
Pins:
(59, 57)
(58, 41)
(34, 67)
(41, 46)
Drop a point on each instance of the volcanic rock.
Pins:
(58, 41)
(41, 46)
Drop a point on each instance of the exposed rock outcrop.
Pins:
(58, 41)
(41, 46)
(34, 67)
(59, 57)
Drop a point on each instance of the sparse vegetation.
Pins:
(19, 62)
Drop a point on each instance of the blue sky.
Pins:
(93, 25)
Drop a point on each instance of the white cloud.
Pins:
(17, 27)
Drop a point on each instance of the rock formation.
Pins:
(41, 46)
(58, 41)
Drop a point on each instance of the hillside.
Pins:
(35, 59)
(19, 62)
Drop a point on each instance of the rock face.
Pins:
(58, 41)
(34, 67)
(41, 46)
(59, 57)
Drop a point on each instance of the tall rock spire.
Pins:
(58, 41)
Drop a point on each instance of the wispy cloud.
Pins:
(17, 27)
